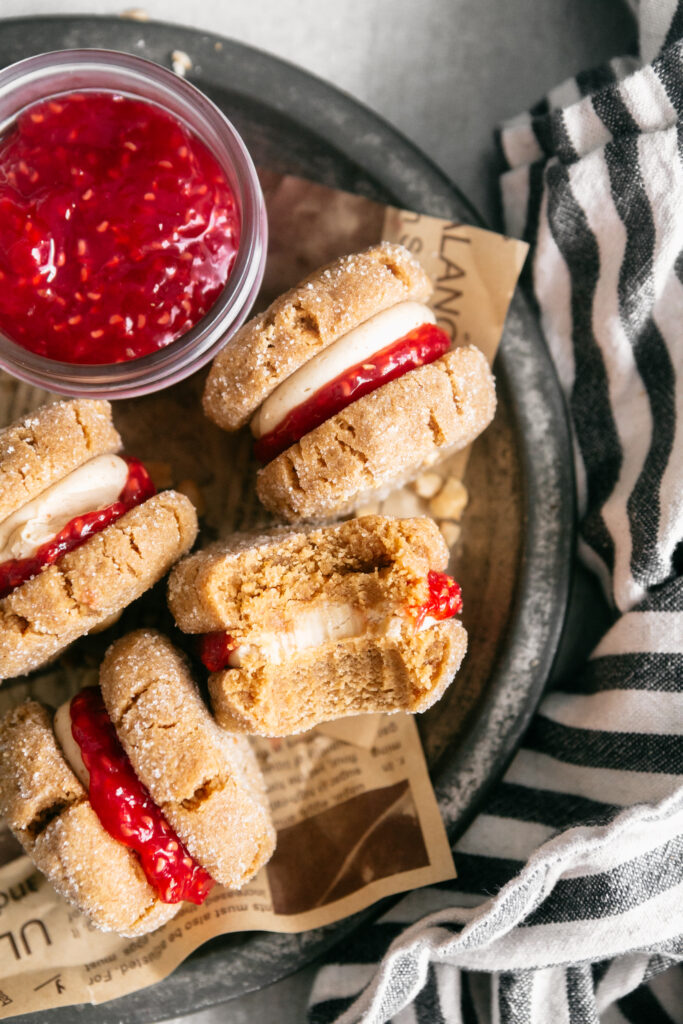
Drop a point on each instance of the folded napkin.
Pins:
(568, 906)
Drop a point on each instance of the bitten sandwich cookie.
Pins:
(83, 532)
(301, 627)
(350, 385)
(132, 799)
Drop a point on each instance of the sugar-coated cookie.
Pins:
(350, 386)
(206, 781)
(383, 440)
(300, 627)
(131, 798)
(47, 809)
(82, 531)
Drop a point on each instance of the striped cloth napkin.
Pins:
(568, 905)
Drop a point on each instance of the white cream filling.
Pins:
(358, 346)
(70, 749)
(324, 625)
(94, 485)
(313, 628)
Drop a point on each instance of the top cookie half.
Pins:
(83, 532)
(304, 321)
(44, 446)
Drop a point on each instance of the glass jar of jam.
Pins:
(132, 226)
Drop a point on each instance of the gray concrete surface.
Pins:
(445, 72)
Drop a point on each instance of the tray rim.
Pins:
(446, 200)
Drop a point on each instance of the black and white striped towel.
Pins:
(569, 902)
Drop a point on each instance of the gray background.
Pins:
(445, 72)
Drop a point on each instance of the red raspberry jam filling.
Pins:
(215, 650)
(127, 811)
(444, 601)
(118, 229)
(137, 488)
(423, 345)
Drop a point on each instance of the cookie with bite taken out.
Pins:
(299, 627)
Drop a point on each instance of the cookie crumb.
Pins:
(451, 501)
(135, 14)
(450, 532)
(181, 62)
(403, 504)
(427, 485)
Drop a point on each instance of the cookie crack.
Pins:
(263, 848)
(134, 544)
(202, 793)
(44, 818)
(394, 269)
(29, 440)
(357, 453)
(144, 915)
(87, 437)
(126, 568)
(23, 624)
(131, 703)
(306, 319)
(68, 587)
(438, 436)
(176, 515)
(455, 392)
(293, 481)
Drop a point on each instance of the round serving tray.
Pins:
(518, 531)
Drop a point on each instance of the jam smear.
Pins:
(215, 650)
(444, 601)
(127, 811)
(118, 228)
(137, 488)
(422, 345)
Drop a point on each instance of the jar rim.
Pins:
(186, 102)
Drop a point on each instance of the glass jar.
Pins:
(52, 74)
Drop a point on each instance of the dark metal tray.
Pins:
(520, 524)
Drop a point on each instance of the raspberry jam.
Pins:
(444, 601)
(127, 811)
(215, 650)
(137, 488)
(423, 345)
(118, 228)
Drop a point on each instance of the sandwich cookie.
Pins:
(350, 386)
(132, 799)
(83, 532)
(302, 627)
